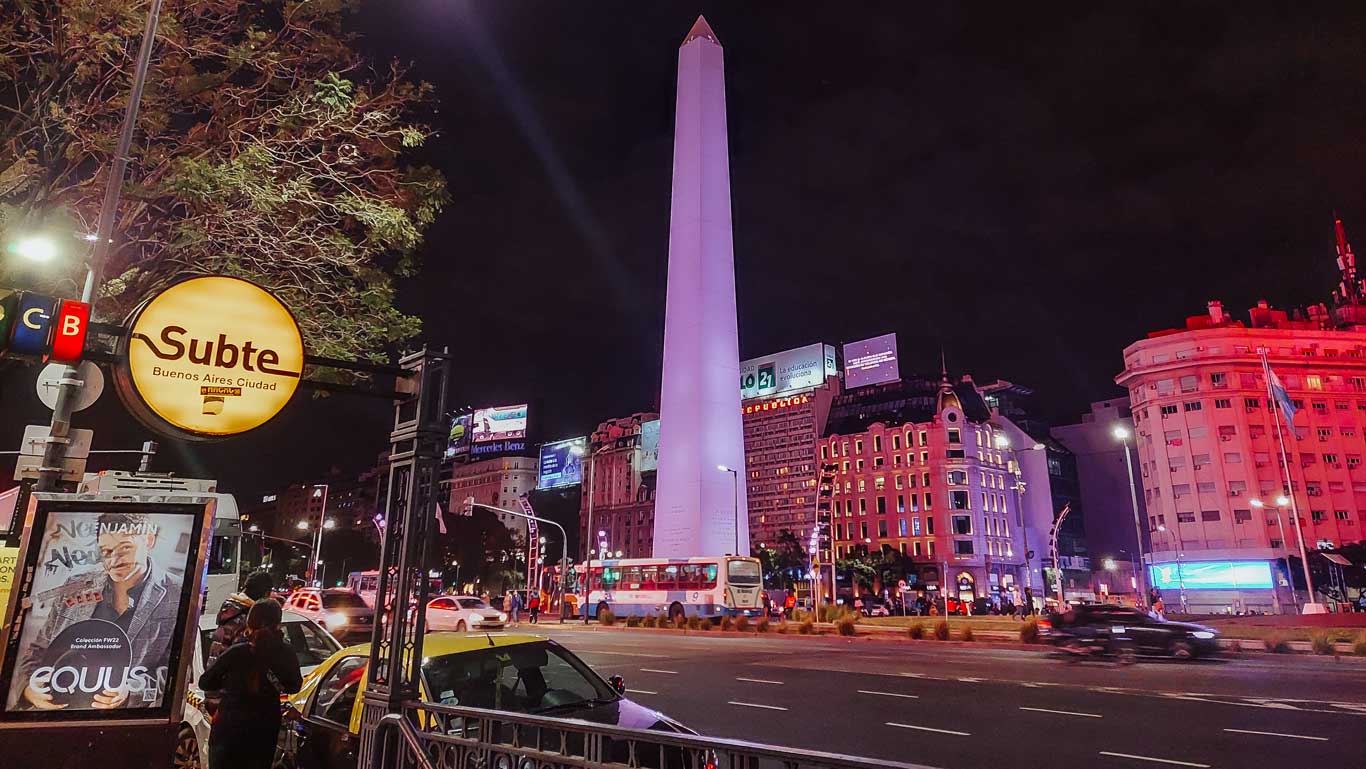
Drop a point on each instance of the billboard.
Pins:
(106, 598)
(871, 361)
(562, 463)
(649, 446)
(1212, 575)
(459, 442)
(499, 423)
(798, 369)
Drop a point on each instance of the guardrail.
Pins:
(473, 738)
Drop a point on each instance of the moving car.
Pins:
(1148, 634)
(341, 610)
(461, 613)
(509, 672)
(311, 644)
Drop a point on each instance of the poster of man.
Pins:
(106, 596)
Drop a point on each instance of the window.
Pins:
(858, 467)
(1209, 515)
(915, 548)
(1251, 403)
(1318, 515)
(1325, 433)
(958, 478)
(1199, 460)
(929, 528)
(1169, 410)
(862, 485)
(924, 438)
(1189, 384)
(877, 443)
(1330, 459)
(1353, 461)
(962, 547)
(1242, 516)
(1232, 457)
(1223, 403)
(879, 483)
(1314, 382)
(1191, 406)
(1342, 515)
(1320, 408)
(954, 437)
(915, 526)
(962, 524)
(335, 697)
(959, 500)
(863, 530)
(882, 529)
(896, 442)
(900, 503)
(881, 507)
(862, 506)
(901, 527)
(1187, 517)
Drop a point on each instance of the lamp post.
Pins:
(1002, 441)
(1180, 577)
(735, 483)
(588, 531)
(1122, 434)
(328, 524)
(1281, 502)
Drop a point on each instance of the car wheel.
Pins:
(460, 627)
(1183, 651)
(186, 749)
(675, 612)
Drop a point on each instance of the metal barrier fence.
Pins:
(472, 738)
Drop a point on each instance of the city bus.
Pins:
(366, 584)
(706, 587)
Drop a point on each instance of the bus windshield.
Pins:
(743, 572)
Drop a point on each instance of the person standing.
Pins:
(232, 622)
(251, 676)
(534, 607)
(507, 607)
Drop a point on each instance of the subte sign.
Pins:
(210, 358)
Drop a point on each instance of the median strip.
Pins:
(1278, 734)
(755, 705)
(1062, 712)
(929, 729)
(1170, 761)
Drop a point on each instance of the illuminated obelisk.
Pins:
(700, 509)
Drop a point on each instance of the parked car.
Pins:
(339, 609)
(1149, 634)
(312, 646)
(514, 673)
(875, 608)
(461, 613)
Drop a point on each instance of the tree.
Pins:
(266, 148)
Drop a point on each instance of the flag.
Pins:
(1283, 398)
(440, 519)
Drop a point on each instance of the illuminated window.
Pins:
(858, 449)
(900, 482)
(1313, 382)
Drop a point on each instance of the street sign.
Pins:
(32, 325)
(50, 379)
(68, 332)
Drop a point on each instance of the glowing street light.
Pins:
(1123, 434)
(303, 526)
(35, 248)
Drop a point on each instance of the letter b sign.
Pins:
(69, 329)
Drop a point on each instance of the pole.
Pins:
(735, 486)
(1280, 526)
(564, 537)
(54, 455)
(588, 534)
(1142, 585)
(318, 537)
(1289, 490)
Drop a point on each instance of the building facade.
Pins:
(1211, 448)
(781, 469)
(496, 482)
(618, 490)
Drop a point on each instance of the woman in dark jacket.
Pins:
(251, 676)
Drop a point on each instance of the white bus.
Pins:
(674, 587)
(365, 583)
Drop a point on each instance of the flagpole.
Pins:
(1290, 489)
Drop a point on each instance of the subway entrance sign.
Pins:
(41, 327)
(209, 358)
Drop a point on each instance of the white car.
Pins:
(461, 613)
(311, 644)
(339, 609)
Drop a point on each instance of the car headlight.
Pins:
(1203, 635)
(502, 617)
(334, 619)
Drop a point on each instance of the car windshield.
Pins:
(743, 572)
(342, 601)
(525, 678)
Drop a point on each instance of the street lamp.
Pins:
(1002, 441)
(1123, 434)
(735, 481)
(35, 248)
(1281, 502)
(1180, 576)
(578, 451)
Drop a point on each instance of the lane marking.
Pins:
(656, 670)
(623, 654)
(755, 705)
(641, 691)
(968, 680)
(760, 681)
(1279, 734)
(890, 694)
(928, 729)
(912, 675)
(1062, 712)
(1154, 760)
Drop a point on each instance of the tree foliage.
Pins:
(266, 148)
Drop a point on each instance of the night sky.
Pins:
(1029, 191)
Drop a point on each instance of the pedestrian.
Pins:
(251, 675)
(1029, 601)
(790, 605)
(1159, 609)
(534, 607)
(516, 607)
(232, 621)
(507, 607)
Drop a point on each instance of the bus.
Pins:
(366, 584)
(707, 587)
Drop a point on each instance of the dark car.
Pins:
(1148, 634)
(507, 672)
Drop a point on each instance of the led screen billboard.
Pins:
(784, 372)
(562, 463)
(459, 443)
(1212, 575)
(649, 445)
(499, 423)
(871, 361)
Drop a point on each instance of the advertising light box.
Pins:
(459, 442)
(799, 369)
(871, 361)
(649, 445)
(562, 463)
(1212, 575)
(499, 423)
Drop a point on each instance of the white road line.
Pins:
(912, 675)
(760, 681)
(968, 680)
(890, 694)
(1154, 760)
(1279, 734)
(622, 654)
(656, 670)
(641, 691)
(755, 705)
(1062, 712)
(928, 729)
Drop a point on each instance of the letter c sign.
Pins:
(31, 325)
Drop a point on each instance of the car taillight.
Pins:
(1045, 626)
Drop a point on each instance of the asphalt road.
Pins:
(959, 707)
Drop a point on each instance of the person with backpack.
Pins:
(250, 676)
(232, 621)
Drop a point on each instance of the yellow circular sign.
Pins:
(211, 357)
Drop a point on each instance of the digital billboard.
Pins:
(459, 443)
(649, 445)
(562, 463)
(499, 423)
(871, 361)
(783, 372)
(1212, 575)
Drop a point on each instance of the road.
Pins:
(959, 706)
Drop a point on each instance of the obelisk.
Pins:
(701, 509)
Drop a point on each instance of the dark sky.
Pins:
(1029, 189)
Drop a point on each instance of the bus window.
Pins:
(668, 578)
(649, 577)
(223, 546)
(610, 577)
(708, 576)
(631, 579)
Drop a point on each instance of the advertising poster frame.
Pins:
(198, 515)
